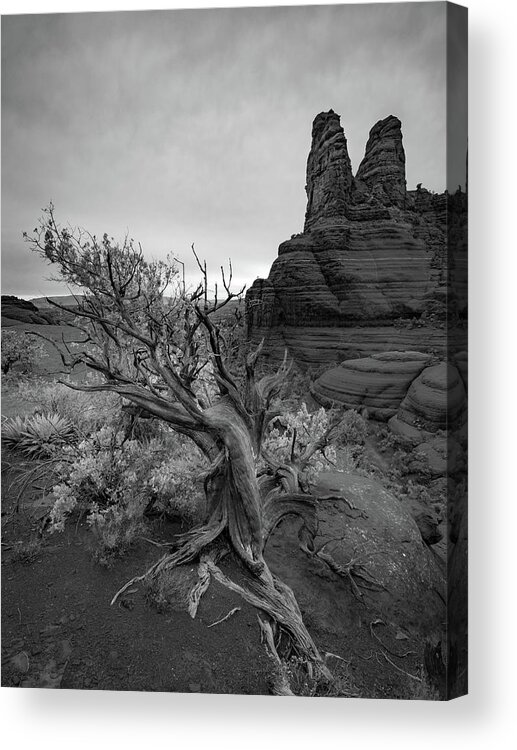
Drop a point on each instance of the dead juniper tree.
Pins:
(162, 348)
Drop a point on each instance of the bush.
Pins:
(116, 481)
(303, 428)
(116, 528)
(300, 428)
(353, 430)
(86, 411)
(21, 349)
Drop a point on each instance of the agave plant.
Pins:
(38, 435)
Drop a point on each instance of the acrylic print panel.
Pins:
(245, 475)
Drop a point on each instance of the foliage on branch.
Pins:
(292, 435)
(152, 340)
(21, 349)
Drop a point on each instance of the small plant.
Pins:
(25, 552)
(37, 436)
(171, 589)
(115, 529)
(353, 429)
(86, 411)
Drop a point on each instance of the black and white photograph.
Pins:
(234, 353)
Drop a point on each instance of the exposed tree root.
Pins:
(226, 617)
(354, 571)
(276, 600)
(203, 572)
(374, 635)
(280, 682)
(403, 671)
(264, 591)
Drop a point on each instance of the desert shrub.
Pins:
(39, 435)
(300, 429)
(21, 349)
(86, 411)
(352, 433)
(171, 589)
(25, 552)
(116, 528)
(402, 461)
(115, 481)
(176, 486)
(388, 440)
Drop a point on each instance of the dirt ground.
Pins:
(59, 630)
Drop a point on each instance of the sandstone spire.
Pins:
(383, 168)
(329, 172)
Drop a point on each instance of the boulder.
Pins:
(378, 383)
(435, 400)
(387, 543)
(438, 457)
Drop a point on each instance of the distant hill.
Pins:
(68, 300)
(25, 311)
(39, 310)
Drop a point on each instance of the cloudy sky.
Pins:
(194, 126)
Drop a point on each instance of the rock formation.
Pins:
(409, 578)
(436, 399)
(383, 169)
(329, 171)
(378, 383)
(371, 266)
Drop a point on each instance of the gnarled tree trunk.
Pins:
(243, 510)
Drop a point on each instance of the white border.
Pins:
(38, 718)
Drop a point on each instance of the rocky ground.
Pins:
(59, 629)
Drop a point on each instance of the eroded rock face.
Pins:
(329, 171)
(378, 383)
(372, 255)
(436, 399)
(383, 169)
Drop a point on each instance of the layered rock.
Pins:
(378, 383)
(329, 171)
(372, 255)
(435, 400)
(383, 169)
(389, 544)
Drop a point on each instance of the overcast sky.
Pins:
(194, 126)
